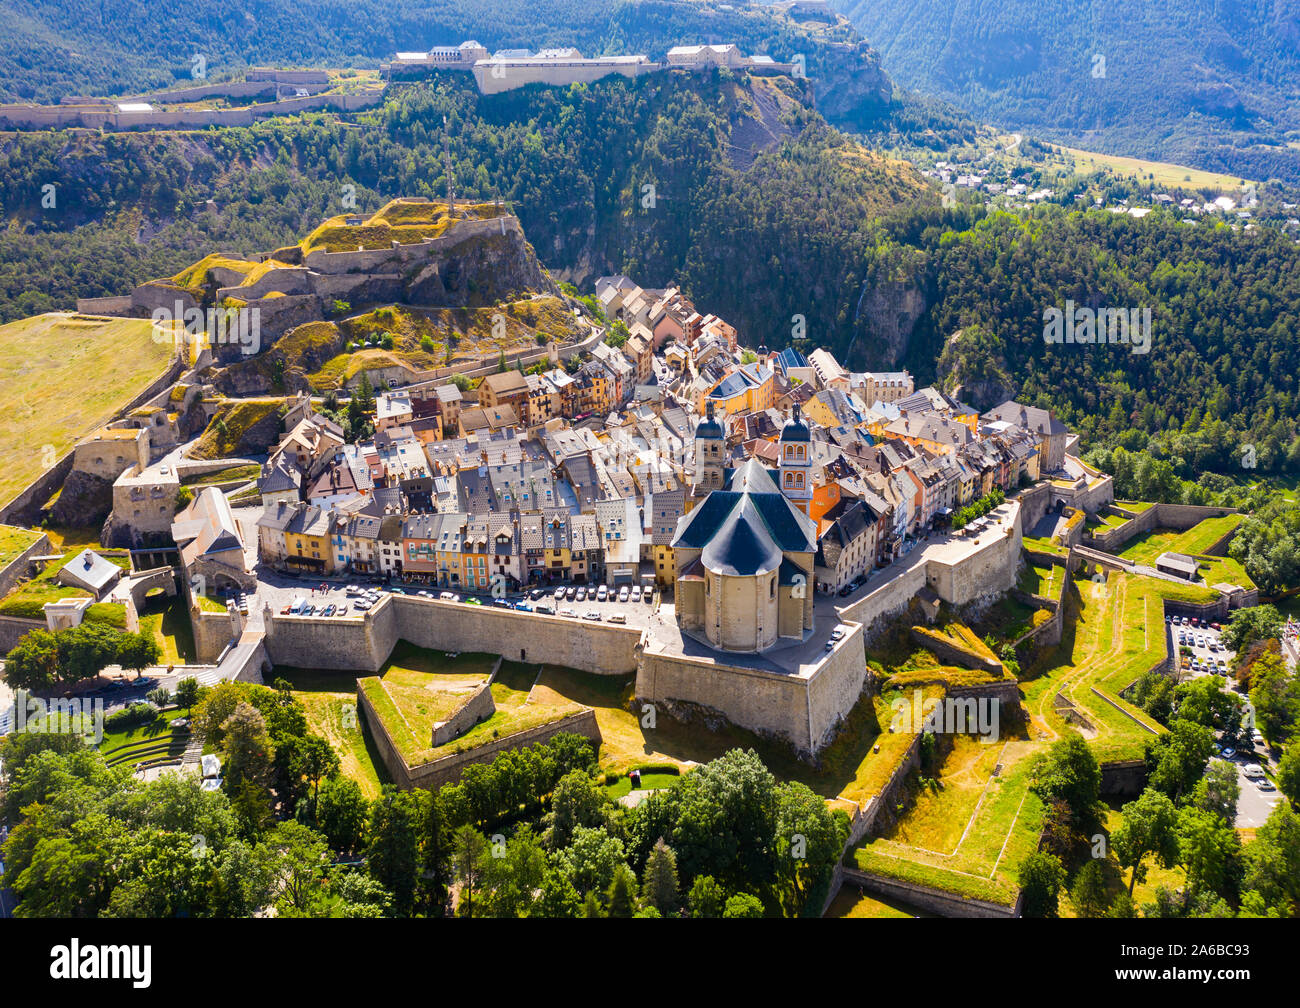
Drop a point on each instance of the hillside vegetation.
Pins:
(766, 215)
(1195, 82)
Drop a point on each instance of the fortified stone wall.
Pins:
(213, 631)
(13, 627)
(1179, 517)
(1123, 779)
(103, 116)
(513, 76)
(23, 508)
(769, 703)
(372, 260)
(105, 305)
(934, 901)
(448, 769)
(18, 567)
(837, 685)
(890, 598)
(479, 707)
(951, 653)
(365, 644)
(992, 569)
(1034, 503)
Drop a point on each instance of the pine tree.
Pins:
(660, 887)
(622, 893)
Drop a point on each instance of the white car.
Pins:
(591, 614)
(636, 593)
(568, 612)
(602, 593)
(624, 593)
(1253, 771)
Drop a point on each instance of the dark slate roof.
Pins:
(791, 574)
(741, 546)
(751, 476)
(796, 428)
(709, 428)
(751, 491)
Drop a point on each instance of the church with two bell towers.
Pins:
(744, 553)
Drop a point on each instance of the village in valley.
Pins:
(412, 568)
(606, 514)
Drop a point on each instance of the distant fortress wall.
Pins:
(372, 260)
(497, 76)
(106, 116)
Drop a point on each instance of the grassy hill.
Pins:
(61, 375)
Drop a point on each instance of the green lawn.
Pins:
(167, 618)
(1195, 541)
(418, 688)
(13, 541)
(330, 699)
(851, 902)
(649, 781)
(240, 472)
(1037, 579)
(62, 375)
(26, 600)
(984, 863)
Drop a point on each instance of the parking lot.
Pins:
(354, 597)
(1258, 797)
(1207, 655)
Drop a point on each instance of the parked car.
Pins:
(473, 601)
(624, 593)
(544, 610)
(591, 614)
(568, 612)
(582, 595)
(618, 617)
(571, 593)
(1265, 785)
(329, 610)
(342, 610)
(523, 607)
(559, 593)
(636, 593)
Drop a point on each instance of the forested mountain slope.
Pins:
(1208, 83)
(49, 50)
(735, 188)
